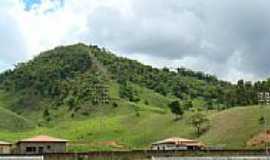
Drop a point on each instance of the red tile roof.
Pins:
(43, 138)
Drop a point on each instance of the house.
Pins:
(176, 143)
(5, 147)
(41, 144)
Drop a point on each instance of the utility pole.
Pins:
(264, 100)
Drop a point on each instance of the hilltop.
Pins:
(102, 101)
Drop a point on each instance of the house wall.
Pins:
(37, 148)
(168, 147)
(5, 149)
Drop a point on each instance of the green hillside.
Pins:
(121, 128)
(12, 122)
(233, 128)
(102, 102)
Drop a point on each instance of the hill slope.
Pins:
(76, 79)
(121, 128)
(102, 101)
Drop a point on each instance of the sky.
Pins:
(227, 38)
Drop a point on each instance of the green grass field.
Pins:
(132, 125)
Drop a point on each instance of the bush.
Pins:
(176, 109)
(114, 104)
(146, 102)
(127, 91)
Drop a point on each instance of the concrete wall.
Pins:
(39, 148)
(168, 147)
(147, 154)
(16, 157)
(5, 149)
(214, 158)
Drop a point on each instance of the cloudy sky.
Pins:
(227, 38)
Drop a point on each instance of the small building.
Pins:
(176, 143)
(41, 144)
(5, 147)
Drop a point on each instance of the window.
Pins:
(30, 149)
(48, 147)
(40, 149)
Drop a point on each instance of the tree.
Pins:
(261, 120)
(127, 91)
(188, 105)
(115, 105)
(197, 120)
(46, 115)
(70, 101)
(176, 109)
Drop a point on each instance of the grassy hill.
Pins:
(233, 128)
(121, 128)
(102, 102)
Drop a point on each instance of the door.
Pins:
(40, 149)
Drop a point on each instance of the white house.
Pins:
(176, 143)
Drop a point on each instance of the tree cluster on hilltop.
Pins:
(63, 74)
(69, 75)
(184, 84)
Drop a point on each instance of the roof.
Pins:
(43, 138)
(179, 141)
(175, 140)
(4, 143)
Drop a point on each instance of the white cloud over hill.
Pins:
(228, 38)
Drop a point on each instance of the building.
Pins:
(41, 144)
(5, 147)
(176, 143)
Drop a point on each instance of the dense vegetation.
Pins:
(79, 73)
(183, 83)
(65, 75)
(98, 98)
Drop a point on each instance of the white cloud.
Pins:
(225, 38)
(44, 27)
(12, 46)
